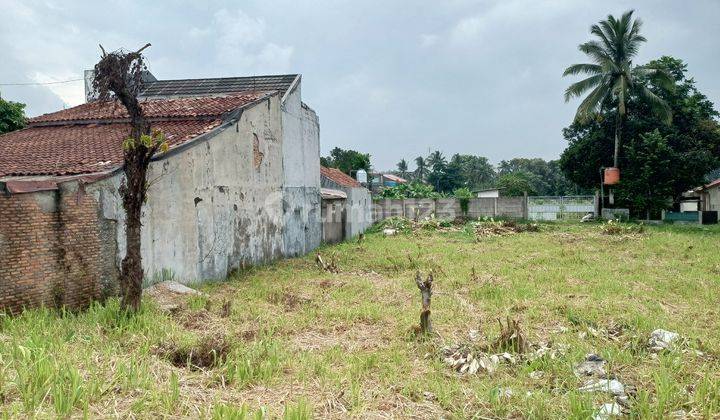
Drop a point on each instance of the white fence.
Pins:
(560, 207)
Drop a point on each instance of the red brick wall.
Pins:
(49, 250)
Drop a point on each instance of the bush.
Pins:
(410, 190)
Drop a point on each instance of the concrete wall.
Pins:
(212, 207)
(51, 249)
(449, 208)
(358, 207)
(301, 181)
(711, 199)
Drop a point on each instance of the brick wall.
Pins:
(50, 249)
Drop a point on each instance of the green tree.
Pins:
(346, 160)
(611, 75)
(402, 168)
(546, 177)
(422, 168)
(475, 171)
(516, 183)
(648, 185)
(12, 116)
(693, 137)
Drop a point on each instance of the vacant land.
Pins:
(291, 339)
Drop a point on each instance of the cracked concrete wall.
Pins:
(213, 207)
(301, 166)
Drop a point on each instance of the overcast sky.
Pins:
(391, 78)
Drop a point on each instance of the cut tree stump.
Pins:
(426, 294)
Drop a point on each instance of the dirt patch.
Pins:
(355, 337)
(209, 352)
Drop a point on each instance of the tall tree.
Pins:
(12, 116)
(612, 75)
(422, 168)
(118, 76)
(437, 163)
(347, 161)
(475, 171)
(693, 138)
(402, 167)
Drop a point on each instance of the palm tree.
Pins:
(436, 160)
(421, 170)
(402, 168)
(612, 76)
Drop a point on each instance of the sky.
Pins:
(395, 79)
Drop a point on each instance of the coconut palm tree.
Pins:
(611, 75)
(402, 168)
(421, 171)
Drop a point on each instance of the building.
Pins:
(488, 193)
(358, 204)
(709, 196)
(239, 185)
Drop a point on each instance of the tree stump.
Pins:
(426, 294)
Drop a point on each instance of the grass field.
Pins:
(291, 340)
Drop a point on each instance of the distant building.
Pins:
(488, 193)
(708, 196)
(358, 205)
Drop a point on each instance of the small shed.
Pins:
(333, 215)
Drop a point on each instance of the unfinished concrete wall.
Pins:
(51, 250)
(301, 181)
(212, 207)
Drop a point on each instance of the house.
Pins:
(709, 196)
(358, 204)
(239, 185)
(488, 193)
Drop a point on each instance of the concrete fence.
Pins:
(449, 208)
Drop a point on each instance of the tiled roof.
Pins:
(218, 86)
(713, 183)
(88, 138)
(339, 177)
(154, 108)
(330, 194)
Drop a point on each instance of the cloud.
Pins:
(239, 40)
(428, 40)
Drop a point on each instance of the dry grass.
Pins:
(291, 339)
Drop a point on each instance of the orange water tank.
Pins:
(612, 176)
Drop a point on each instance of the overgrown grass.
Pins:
(297, 342)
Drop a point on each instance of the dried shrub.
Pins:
(613, 227)
(209, 352)
(512, 338)
(493, 227)
(330, 266)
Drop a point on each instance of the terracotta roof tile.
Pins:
(153, 108)
(71, 145)
(339, 177)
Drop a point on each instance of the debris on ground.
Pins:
(607, 411)
(504, 393)
(170, 294)
(588, 217)
(542, 349)
(593, 365)
(613, 227)
(612, 386)
(330, 267)
(661, 340)
(462, 360)
(536, 374)
(492, 227)
(389, 232)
